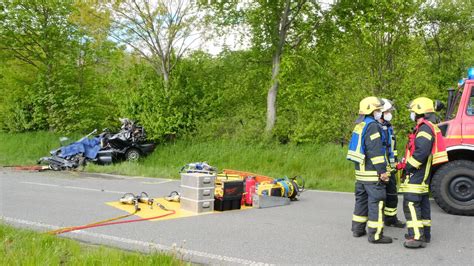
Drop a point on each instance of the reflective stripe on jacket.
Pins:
(425, 146)
(356, 152)
(438, 149)
(365, 150)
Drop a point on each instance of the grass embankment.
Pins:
(322, 166)
(25, 247)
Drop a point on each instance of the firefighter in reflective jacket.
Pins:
(425, 148)
(365, 150)
(390, 150)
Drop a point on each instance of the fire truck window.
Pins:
(470, 106)
(455, 108)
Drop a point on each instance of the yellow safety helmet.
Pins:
(421, 105)
(369, 104)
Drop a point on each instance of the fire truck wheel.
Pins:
(453, 187)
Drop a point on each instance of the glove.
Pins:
(401, 166)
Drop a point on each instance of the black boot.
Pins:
(359, 233)
(394, 222)
(413, 243)
(427, 234)
(424, 238)
(382, 240)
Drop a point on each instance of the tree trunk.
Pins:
(273, 91)
(166, 75)
(272, 94)
(166, 81)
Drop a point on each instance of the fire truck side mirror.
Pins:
(438, 106)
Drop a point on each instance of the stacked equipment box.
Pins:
(197, 192)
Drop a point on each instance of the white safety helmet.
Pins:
(387, 105)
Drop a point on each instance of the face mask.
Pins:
(387, 116)
(377, 115)
(413, 116)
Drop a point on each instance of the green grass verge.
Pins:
(26, 148)
(25, 247)
(322, 166)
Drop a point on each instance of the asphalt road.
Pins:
(314, 230)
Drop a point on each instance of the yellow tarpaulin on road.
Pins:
(146, 212)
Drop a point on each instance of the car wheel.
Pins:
(132, 155)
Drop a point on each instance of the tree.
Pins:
(161, 31)
(38, 34)
(381, 32)
(35, 32)
(447, 31)
(274, 26)
(49, 78)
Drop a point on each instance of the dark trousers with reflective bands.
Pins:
(390, 210)
(418, 215)
(369, 205)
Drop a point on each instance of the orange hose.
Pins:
(112, 223)
(61, 230)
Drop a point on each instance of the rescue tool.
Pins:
(131, 199)
(282, 187)
(174, 196)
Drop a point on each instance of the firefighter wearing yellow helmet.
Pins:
(390, 151)
(425, 148)
(366, 151)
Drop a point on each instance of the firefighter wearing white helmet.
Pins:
(367, 153)
(425, 149)
(390, 151)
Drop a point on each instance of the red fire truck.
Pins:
(452, 185)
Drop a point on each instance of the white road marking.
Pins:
(39, 184)
(150, 245)
(72, 187)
